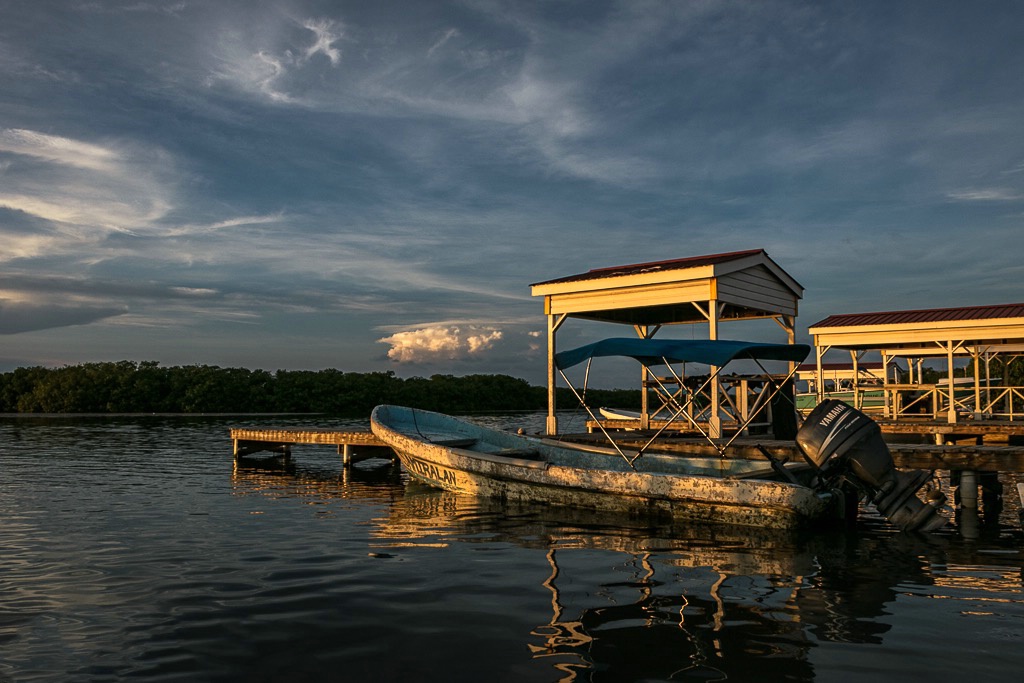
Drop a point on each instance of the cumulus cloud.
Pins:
(481, 342)
(440, 343)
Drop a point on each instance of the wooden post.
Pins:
(554, 322)
(885, 385)
(977, 383)
(951, 413)
(819, 380)
(857, 403)
(968, 489)
(714, 419)
(645, 332)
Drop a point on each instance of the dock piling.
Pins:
(968, 489)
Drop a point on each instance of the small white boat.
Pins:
(618, 414)
(842, 449)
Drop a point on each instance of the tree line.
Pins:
(146, 387)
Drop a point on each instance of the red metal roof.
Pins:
(655, 266)
(932, 315)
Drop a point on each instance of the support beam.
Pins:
(819, 380)
(951, 413)
(976, 354)
(714, 419)
(645, 332)
(554, 322)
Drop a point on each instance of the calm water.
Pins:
(135, 549)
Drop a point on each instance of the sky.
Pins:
(373, 186)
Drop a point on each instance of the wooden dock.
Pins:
(981, 431)
(354, 444)
(281, 439)
(923, 456)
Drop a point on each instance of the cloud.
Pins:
(274, 71)
(326, 35)
(17, 317)
(439, 343)
(58, 150)
(995, 194)
(482, 342)
(142, 7)
(84, 190)
(448, 35)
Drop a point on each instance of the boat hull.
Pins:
(434, 449)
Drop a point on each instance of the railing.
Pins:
(740, 397)
(897, 401)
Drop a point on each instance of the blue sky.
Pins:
(373, 186)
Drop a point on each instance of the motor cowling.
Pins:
(844, 443)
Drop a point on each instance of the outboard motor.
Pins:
(844, 443)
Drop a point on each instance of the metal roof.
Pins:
(655, 266)
(933, 315)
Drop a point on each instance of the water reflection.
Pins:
(636, 599)
(378, 479)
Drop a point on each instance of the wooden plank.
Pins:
(617, 299)
(287, 435)
(281, 439)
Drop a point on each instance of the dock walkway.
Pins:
(948, 456)
(281, 439)
(982, 431)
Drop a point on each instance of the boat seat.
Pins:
(788, 473)
(455, 443)
(524, 453)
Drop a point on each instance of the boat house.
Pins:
(977, 333)
(711, 290)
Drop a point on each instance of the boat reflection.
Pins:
(639, 599)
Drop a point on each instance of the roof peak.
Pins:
(727, 256)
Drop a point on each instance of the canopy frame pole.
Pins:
(777, 388)
(590, 412)
(682, 411)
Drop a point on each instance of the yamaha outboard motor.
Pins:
(845, 444)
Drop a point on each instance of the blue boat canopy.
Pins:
(651, 352)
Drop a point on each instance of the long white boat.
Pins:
(459, 455)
